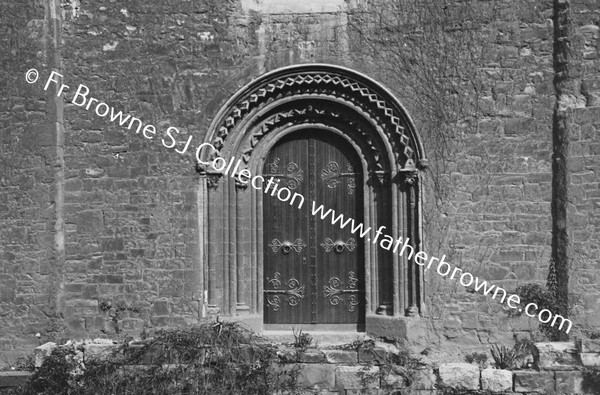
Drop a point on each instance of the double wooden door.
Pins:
(313, 270)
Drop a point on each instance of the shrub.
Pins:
(479, 359)
(213, 358)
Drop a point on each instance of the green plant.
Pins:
(396, 369)
(521, 355)
(479, 359)
(591, 380)
(504, 358)
(301, 340)
(544, 299)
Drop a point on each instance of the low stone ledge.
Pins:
(496, 380)
(15, 378)
(531, 381)
(459, 375)
(557, 356)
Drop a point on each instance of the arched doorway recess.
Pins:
(318, 100)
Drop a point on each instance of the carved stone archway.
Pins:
(378, 127)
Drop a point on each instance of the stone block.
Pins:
(532, 381)
(459, 375)
(374, 355)
(287, 354)
(292, 7)
(521, 126)
(590, 359)
(316, 376)
(557, 356)
(424, 380)
(587, 345)
(312, 356)
(98, 351)
(13, 378)
(496, 380)
(341, 356)
(91, 221)
(570, 382)
(356, 377)
(42, 352)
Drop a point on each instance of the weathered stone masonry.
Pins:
(100, 227)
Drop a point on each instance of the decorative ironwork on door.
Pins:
(293, 294)
(313, 269)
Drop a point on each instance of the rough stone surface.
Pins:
(424, 380)
(496, 379)
(316, 376)
(557, 356)
(100, 234)
(531, 381)
(569, 383)
(588, 346)
(341, 356)
(312, 356)
(459, 375)
(590, 359)
(356, 377)
(98, 351)
(14, 378)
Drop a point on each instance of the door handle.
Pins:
(287, 246)
(339, 245)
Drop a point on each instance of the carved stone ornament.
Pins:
(310, 114)
(212, 180)
(340, 85)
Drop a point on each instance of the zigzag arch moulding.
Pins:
(330, 99)
(321, 82)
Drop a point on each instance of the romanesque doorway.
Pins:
(313, 269)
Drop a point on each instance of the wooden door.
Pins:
(313, 270)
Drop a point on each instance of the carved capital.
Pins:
(380, 176)
(408, 177)
(240, 185)
(212, 180)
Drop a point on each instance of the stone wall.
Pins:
(348, 371)
(28, 186)
(583, 109)
(100, 231)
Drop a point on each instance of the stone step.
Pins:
(320, 338)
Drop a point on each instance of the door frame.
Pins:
(256, 167)
(341, 101)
